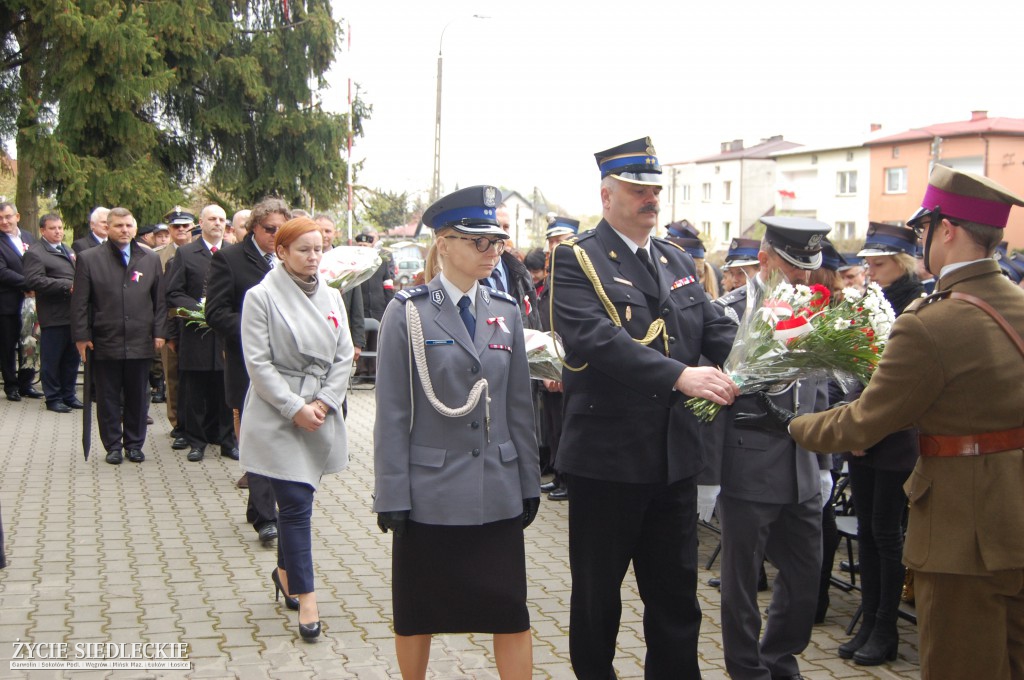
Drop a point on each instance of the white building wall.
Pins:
(813, 178)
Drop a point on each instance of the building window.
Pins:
(846, 182)
(895, 180)
(727, 191)
(706, 227)
(814, 159)
(849, 155)
(895, 152)
(686, 193)
(845, 230)
(725, 228)
(707, 191)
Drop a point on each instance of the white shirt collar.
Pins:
(633, 247)
(211, 246)
(455, 293)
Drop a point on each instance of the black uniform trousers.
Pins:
(114, 379)
(10, 336)
(655, 527)
(59, 361)
(203, 414)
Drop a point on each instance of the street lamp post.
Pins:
(435, 186)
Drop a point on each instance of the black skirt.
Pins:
(460, 579)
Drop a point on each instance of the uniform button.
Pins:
(665, 311)
(476, 452)
(671, 339)
(475, 425)
(691, 298)
(740, 440)
(474, 369)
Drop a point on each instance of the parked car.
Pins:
(407, 270)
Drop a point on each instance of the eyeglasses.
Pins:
(483, 244)
(270, 230)
(182, 226)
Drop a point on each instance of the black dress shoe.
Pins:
(114, 456)
(179, 444)
(14, 395)
(175, 433)
(559, 495)
(74, 402)
(231, 453)
(136, 455)
(268, 534)
(31, 393)
(58, 407)
(149, 420)
(788, 677)
(548, 487)
(196, 454)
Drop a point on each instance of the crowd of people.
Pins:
(646, 323)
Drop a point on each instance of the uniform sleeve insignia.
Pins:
(437, 296)
(731, 313)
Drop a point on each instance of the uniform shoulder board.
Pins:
(732, 297)
(666, 242)
(922, 302)
(409, 293)
(582, 237)
(502, 296)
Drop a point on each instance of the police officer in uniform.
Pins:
(771, 493)
(455, 451)
(954, 367)
(634, 321)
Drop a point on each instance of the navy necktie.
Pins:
(645, 260)
(496, 277)
(467, 317)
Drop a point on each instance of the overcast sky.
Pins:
(532, 92)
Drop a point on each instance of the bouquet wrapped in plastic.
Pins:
(345, 267)
(542, 351)
(194, 317)
(792, 332)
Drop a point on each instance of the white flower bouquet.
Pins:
(791, 332)
(345, 267)
(543, 349)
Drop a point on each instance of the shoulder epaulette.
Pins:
(409, 293)
(666, 242)
(501, 295)
(732, 296)
(926, 300)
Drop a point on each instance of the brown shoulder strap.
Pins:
(996, 316)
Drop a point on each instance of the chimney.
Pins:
(737, 145)
(725, 147)
(875, 127)
(979, 115)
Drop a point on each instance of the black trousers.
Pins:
(115, 379)
(203, 413)
(10, 336)
(294, 538)
(59, 361)
(655, 527)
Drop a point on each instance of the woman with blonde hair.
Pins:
(298, 352)
(455, 453)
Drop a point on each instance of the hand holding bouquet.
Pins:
(542, 351)
(194, 317)
(792, 332)
(345, 267)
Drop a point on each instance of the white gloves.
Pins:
(707, 496)
(826, 487)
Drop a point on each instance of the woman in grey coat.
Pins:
(455, 454)
(298, 352)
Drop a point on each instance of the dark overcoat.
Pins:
(186, 286)
(51, 274)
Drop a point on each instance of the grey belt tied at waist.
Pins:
(310, 372)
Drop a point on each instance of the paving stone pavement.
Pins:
(160, 552)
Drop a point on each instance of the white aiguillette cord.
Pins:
(419, 353)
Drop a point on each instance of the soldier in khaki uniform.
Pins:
(952, 371)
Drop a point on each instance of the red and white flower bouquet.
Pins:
(345, 267)
(791, 332)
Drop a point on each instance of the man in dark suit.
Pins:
(233, 271)
(772, 492)
(377, 291)
(635, 321)
(204, 415)
(13, 244)
(50, 272)
(511, 276)
(97, 231)
(118, 313)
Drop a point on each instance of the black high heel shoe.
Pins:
(290, 602)
(309, 631)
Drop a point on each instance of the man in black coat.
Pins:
(50, 272)
(377, 291)
(630, 449)
(511, 276)
(118, 313)
(233, 271)
(203, 414)
(97, 231)
(13, 244)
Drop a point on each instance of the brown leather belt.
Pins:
(971, 444)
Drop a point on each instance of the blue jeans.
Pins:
(294, 549)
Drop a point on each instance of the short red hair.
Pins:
(291, 230)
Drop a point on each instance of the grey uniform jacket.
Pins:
(296, 349)
(760, 466)
(446, 470)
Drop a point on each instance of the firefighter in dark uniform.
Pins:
(634, 321)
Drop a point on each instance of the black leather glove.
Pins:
(774, 419)
(396, 520)
(530, 507)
